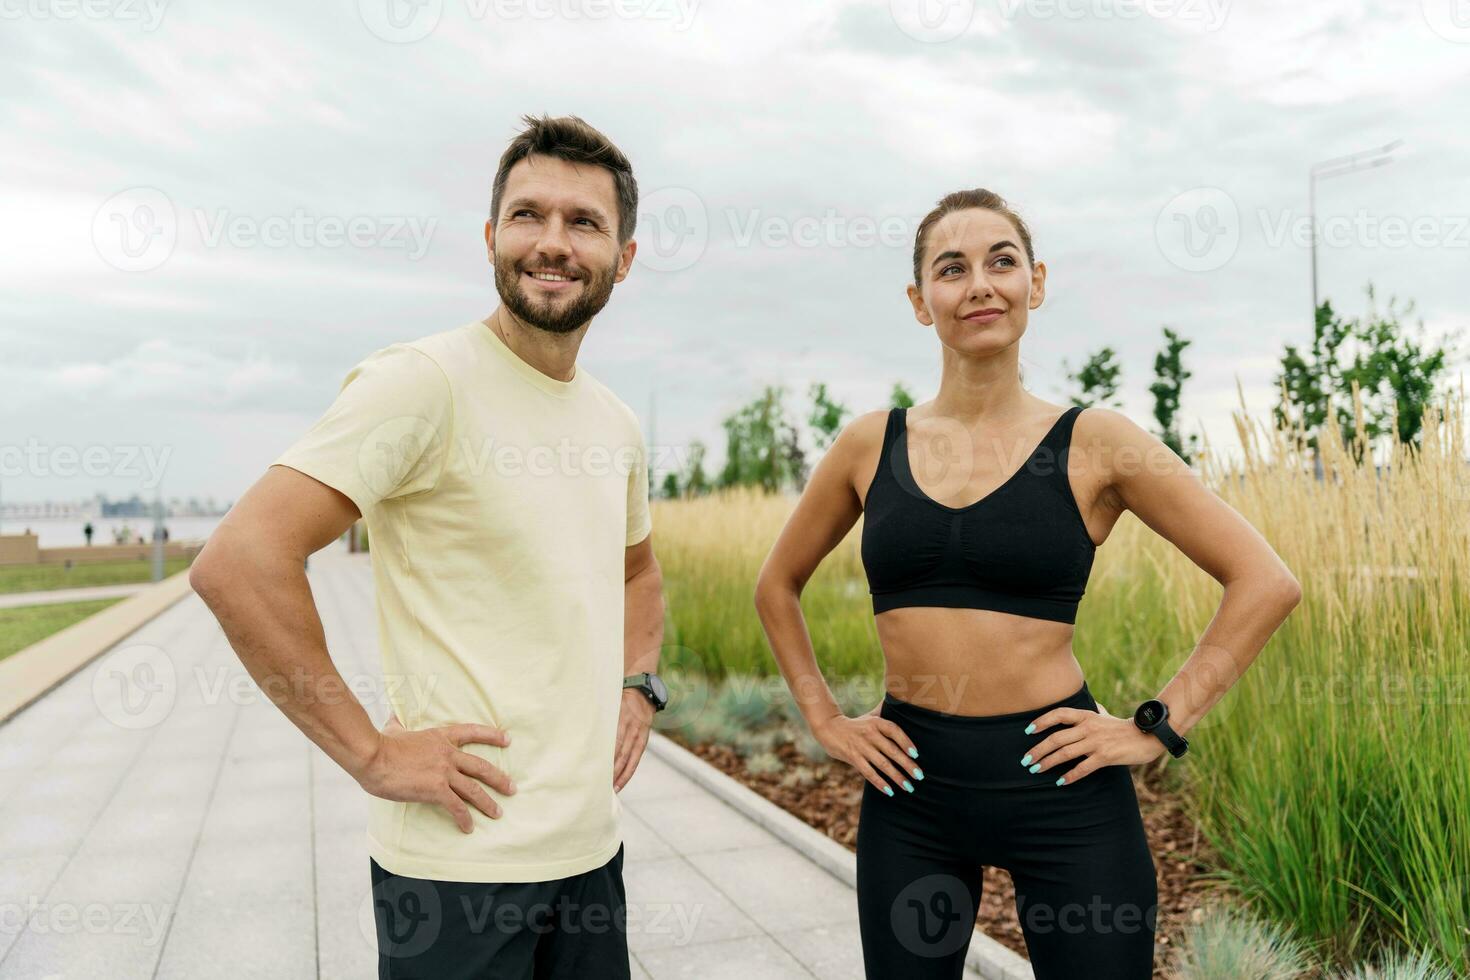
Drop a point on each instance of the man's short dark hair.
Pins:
(572, 139)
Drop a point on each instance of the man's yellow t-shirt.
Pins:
(498, 502)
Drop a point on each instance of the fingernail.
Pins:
(913, 753)
(1026, 761)
(1061, 780)
(888, 790)
(918, 773)
(908, 785)
(1030, 728)
(1036, 768)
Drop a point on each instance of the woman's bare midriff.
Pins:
(976, 661)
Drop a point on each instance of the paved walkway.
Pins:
(159, 818)
(10, 600)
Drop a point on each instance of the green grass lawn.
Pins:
(39, 578)
(24, 625)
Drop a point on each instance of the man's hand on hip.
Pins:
(429, 766)
(634, 718)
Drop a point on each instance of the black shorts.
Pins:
(572, 928)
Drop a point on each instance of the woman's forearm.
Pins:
(779, 608)
(1251, 610)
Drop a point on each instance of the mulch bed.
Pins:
(829, 801)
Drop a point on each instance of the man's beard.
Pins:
(596, 289)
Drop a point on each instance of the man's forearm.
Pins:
(264, 604)
(643, 621)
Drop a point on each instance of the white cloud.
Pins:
(765, 109)
(165, 372)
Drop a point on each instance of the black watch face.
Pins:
(659, 691)
(1149, 714)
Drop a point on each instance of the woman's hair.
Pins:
(959, 201)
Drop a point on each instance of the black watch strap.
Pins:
(1176, 744)
(644, 683)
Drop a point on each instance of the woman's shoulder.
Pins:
(864, 432)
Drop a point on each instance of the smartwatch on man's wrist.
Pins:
(652, 687)
(1152, 716)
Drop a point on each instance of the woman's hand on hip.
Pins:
(871, 745)
(1098, 737)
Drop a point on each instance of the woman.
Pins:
(987, 747)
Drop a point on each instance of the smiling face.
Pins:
(976, 287)
(555, 243)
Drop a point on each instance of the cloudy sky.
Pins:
(210, 214)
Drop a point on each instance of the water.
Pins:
(65, 532)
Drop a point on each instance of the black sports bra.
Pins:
(1023, 548)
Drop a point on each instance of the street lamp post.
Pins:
(1336, 167)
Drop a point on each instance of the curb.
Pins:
(29, 673)
(986, 957)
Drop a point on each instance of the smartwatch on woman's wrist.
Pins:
(1152, 716)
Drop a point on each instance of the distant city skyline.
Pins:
(99, 505)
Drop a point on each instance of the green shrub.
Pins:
(747, 700)
(752, 743)
(1402, 966)
(764, 763)
(1231, 944)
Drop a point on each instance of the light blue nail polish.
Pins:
(1061, 780)
(1027, 760)
(913, 753)
(918, 773)
(1030, 728)
(908, 785)
(1036, 768)
(888, 790)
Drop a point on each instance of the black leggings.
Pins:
(1086, 895)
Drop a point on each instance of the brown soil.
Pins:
(829, 801)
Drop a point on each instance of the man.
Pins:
(505, 492)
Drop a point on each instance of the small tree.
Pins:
(1396, 371)
(1097, 379)
(1395, 374)
(1309, 379)
(1170, 375)
(900, 397)
(695, 481)
(761, 446)
(826, 416)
